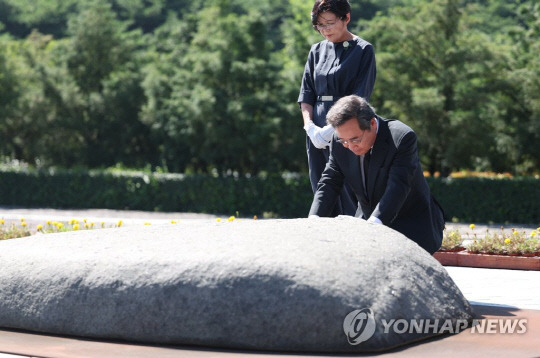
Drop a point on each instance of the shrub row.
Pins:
(272, 195)
(485, 200)
(464, 199)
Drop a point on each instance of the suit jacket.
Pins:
(397, 192)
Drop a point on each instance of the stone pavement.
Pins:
(514, 288)
(110, 217)
(130, 217)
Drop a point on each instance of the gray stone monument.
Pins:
(309, 285)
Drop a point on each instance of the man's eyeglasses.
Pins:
(351, 141)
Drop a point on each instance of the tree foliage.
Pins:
(444, 80)
(212, 85)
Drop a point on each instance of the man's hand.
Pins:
(374, 220)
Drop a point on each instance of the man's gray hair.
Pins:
(350, 107)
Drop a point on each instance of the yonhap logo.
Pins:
(359, 326)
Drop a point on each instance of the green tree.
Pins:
(522, 93)
(96, 45)
(45, 16)
(102, 60)
(162, 111)
(298, 36)
(10, 91)
(77, 107)
(442, 75)
(222, 108)
(25, 111)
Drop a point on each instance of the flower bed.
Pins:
(467, 259)
(515, 250)
(22, 229)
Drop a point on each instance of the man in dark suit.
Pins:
(378, 158)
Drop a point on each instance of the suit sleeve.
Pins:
(400, 178)
(328, 188)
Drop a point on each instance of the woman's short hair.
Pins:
(339, 7)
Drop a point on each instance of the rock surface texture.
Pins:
(311, 285)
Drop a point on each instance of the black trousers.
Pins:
(317, 158)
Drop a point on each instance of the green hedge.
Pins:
(484, 200)
(273, 195)
(466, 199)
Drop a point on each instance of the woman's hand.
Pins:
(320, 137)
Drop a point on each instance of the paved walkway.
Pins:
(515, 288)
(129, 217)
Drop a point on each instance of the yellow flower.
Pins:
(173, 222)
(2, 221)
(39, 227)
(231, 218)
(516, 233)
(76, 227)
(507, 241)
(147, 223)
(119, 223)
(23, 224)
(472, 226)
(59, 225)
(48, 222)
(86, 226)
(534, 233)
(103, 224)
(22, 219)
(218, 220)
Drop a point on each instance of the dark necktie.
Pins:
(367, 157)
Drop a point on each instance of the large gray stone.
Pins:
(272, 285)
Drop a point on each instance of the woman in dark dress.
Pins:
(341, 65)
